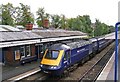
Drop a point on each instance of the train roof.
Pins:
(59, 47)
(101, 38)
(78, 44)
(93, 39)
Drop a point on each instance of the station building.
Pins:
(19, 47)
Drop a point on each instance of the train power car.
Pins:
(61, 57)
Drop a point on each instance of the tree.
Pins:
(98, 28)
(80, 23)
(24, 16)
(0, 14)
(42, 16)
(7, 12)
(56, 21)
(101, 28)
(111, 28)
(63, 22)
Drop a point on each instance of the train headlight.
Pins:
(41, 65)
(53, 67)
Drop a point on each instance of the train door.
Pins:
(68, 57)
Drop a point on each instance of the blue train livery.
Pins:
(62, 57)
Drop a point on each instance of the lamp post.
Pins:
(116, 51)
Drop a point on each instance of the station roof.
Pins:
(10, 36)
(13, 36)
(8, 28)
(58, 33)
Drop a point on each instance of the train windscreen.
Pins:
(52, 54)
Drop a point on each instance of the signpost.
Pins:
(116, 51)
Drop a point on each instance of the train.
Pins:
(61, 58)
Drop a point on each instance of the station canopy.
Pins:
(58, 33)
(11, 36)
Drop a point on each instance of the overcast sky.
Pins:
(104, 10)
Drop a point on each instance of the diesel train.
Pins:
(62, 57)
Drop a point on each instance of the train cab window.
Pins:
(28, 51)
(51, 54)
(22, 51)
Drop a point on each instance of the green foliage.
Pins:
(11, 15)
(80, 23)
(111, 29)
(55, 21)
(41, 16)
(24, 15)
(101, 28)
(7, 13)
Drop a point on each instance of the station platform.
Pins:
(12, 71)
(107, 75)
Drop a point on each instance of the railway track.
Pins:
(80, 74)
(92, 74)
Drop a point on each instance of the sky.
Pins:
(104, 10)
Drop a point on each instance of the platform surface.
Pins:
(11, 71)
(107, 75)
